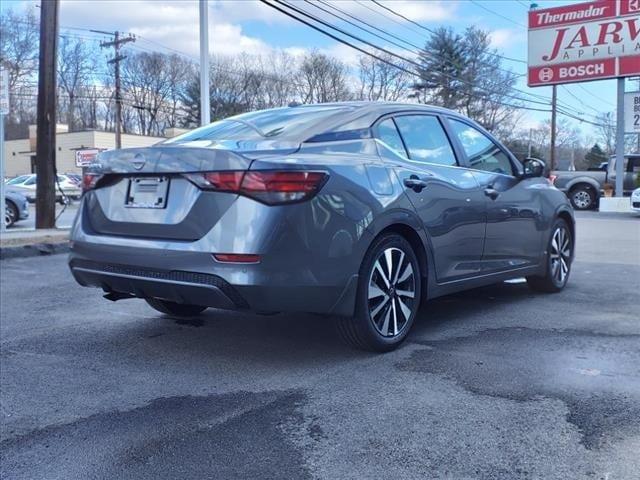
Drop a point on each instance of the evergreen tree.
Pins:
(595, 156)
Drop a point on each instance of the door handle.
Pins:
(491, 192)
(415, 184)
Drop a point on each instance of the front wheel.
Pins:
(10, 214)
(173, 308)
(388, 296)
(559, 257)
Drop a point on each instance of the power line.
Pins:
(345, 42)
(525, 27)
(433, 31)
(365, 23)
(497, 14)
(409, 43)
(306, 14)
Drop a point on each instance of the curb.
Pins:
(33, 250)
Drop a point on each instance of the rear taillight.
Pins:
(268, 186)
(89, 181)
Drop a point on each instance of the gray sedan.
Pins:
(361, 211)
(16, 207)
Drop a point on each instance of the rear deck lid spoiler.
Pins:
(176, 159)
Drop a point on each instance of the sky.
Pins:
(249, 26)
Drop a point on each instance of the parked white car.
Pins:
(635, 200)
(26, 184)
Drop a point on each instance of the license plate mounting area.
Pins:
(147, 192)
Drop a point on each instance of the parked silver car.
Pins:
(357, 210)
(66, 188)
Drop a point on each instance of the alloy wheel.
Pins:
(582, 199)
(9, 216)
(392, 292)
(560, 255)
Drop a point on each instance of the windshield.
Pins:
(260, 125)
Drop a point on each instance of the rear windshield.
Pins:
(19, 179)
(263, 124)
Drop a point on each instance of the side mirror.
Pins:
(533, 168)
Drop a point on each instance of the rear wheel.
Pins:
(582, 197)
(173, 308)
(559, 257)
(388, 296)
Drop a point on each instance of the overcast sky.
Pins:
(249, 26)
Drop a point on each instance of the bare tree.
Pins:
(322, 79)
(19, 40)
(381, 81)
(606, 131)
(153, 83)
(76, 66)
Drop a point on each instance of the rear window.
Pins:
(263, 124)
(16, 180)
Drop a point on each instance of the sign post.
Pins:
(4, 110)
(620, 140)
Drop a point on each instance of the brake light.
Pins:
(223, 181)
(268, 186)
(89, 181)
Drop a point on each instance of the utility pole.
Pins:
(116, 43)
(205, 99)
(46, 121)
(554, 97)
(530, 142)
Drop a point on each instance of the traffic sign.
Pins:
(632, 112)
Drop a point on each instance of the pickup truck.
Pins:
(585, 188)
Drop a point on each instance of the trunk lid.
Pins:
(145, 193)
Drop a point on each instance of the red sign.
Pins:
(584, 41)
(583, 12)
(573, 72)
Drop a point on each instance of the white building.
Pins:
(20, 155)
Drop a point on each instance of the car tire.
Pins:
(582, 197)
(386, 302)
(11, 213)
(558, 260)
(173, 308)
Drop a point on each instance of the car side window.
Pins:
(425, 139)
(388, 134)
(482, 153)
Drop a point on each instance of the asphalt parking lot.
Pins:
(495, 383)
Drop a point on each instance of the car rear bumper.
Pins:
(195, 278)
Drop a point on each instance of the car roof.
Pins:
(383, 107)
(362, 114)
